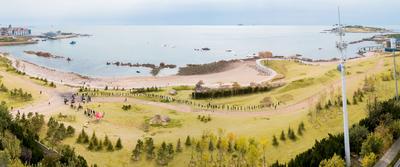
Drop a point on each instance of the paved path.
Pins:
(389, 155)
(397, 164)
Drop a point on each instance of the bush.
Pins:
(369, 160)
(373, 144)
(357, 135)
(335, 161)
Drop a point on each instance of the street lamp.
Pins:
(341, 46)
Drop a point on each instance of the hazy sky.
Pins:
(308, 12)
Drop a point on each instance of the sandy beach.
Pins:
(244, 72)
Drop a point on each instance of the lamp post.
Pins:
(341, 46)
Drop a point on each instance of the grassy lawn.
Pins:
(13, 80)
(128, 126)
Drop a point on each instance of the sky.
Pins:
(199, 12)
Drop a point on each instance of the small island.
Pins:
(361, 29)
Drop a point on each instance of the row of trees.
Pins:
(166, 99)
(358, 96)
(95, 144)
(163, 154)
(16, 93)
(45, 81)
(228, 92)
(290, 134)
(19, 93)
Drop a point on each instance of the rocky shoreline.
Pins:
(46, 55)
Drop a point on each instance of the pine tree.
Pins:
(198, 147)
(93, 139)
(162, 154)
(170, 150)
(178, 146)
(211, 146)
(91, 146)
(106, 140)
(291, 134)
(79, 139)
(99, 146)
(299, 131)
(275, 141)
(354, 100)
(301, 125)
(86, 139)
(138, 150)
(110, 147)
(118, 145)
(188, 142)
(149, 147)
(282, 137)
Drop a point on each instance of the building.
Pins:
(14, 31)
(388, 44)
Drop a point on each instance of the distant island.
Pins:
(361, 29)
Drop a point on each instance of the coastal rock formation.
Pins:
(46, 55)
(154, 69)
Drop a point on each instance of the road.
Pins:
(389, 156)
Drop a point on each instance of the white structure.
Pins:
(341, 46)
(14, 31)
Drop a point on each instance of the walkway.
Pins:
(389, 155)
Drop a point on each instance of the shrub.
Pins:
(373, 144)
(282, 137)
(275, 141)
(335, 161)
(118, 145)
(369, 160)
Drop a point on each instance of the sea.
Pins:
(179, 45)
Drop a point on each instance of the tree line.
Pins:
(95, 144)
(229, 92)
(16, 93)
(19, 143)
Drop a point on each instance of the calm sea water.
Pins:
(176, 44)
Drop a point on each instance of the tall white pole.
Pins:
(342, 46)
(394, 71)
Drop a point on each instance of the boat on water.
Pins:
(72, 42)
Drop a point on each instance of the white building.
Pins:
(14, 31)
